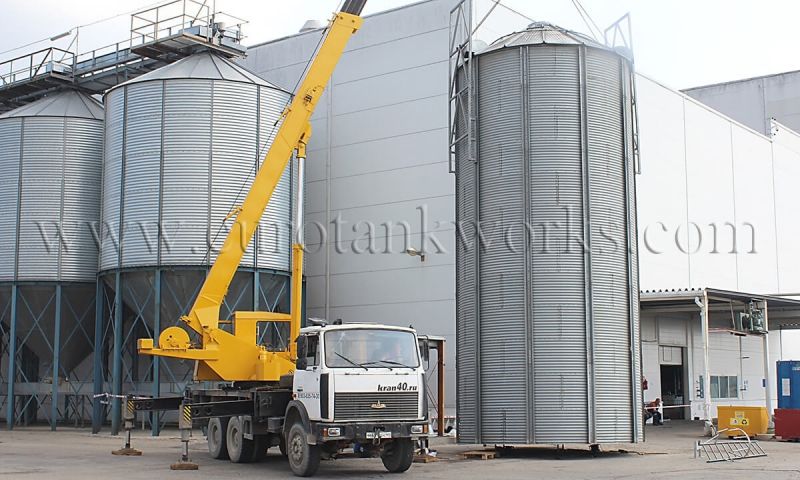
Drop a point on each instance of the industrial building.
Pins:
(714, 204)
(387, 102)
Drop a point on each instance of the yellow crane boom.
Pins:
(237, 356)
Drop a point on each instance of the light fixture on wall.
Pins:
(415, 253)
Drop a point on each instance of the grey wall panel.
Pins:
(42, 171)
(111, 205)
(557, 315)
(555, 283)
(611, 284)
(142, 175)
(189, 149)
(51, 158)
(10, 138)
(186, 171)
(754, 101)
(233, 156)
(502, 269)
(81, 198)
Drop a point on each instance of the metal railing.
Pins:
(50, 60)
(177, 16)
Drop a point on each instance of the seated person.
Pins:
(651, 410)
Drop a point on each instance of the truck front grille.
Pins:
(378, 405)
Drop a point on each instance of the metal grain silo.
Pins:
(547, 306)
(51, 160)
(182, 146)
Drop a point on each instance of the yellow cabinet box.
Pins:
(753, 420)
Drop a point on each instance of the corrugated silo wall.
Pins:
(553, 172)
(180, 154)
(49, 206)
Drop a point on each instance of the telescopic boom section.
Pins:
(237, 356)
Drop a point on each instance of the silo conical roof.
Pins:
(539, 33)
(205, 65)
(69, 103)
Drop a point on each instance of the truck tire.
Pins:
(282, 446)
(218, 438)
(303, 458)
(260, 443)
(398, 455)
(240, 449)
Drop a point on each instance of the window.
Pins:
(312, 351)
(724, 386)
(367, 348)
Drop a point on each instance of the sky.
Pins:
(680, 43)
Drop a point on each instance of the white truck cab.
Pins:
(359, 385)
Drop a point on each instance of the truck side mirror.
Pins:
(302, 347)
(425, 349)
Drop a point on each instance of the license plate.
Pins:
(380, 434)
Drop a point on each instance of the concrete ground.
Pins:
(33, 453)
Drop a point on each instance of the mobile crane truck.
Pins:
(334, 385)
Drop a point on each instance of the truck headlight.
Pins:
(332, 432)
(417, 429)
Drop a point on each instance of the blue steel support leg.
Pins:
(12, 361)
(56, 355)
(99, 371)
(155, 424)
(116, 379)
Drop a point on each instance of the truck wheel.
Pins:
(398, 455)
(240, 449)
(217, 438)
(259, 448)
(282, 445)
(303, 458)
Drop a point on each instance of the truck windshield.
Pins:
(370, 348)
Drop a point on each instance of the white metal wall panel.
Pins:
(709, 180)
(756, 257)
(663, 159)
(787, 197)
(557, 317)
(10, 138)
(671, 330)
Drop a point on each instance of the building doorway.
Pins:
(672, 391)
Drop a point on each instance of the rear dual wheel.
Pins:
(218, 438)
(226, 441)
